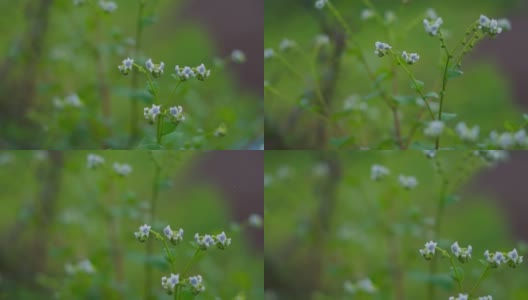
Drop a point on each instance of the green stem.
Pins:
(465, 48)
(479, 281)
(152, 87)
(186, 269)
(158, 129)
(285, 62)
(174, 89)
(339, 18)
(417, 87)
(436, 231)
(442, 94)
(457, 275)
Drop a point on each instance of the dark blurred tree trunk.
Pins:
(23, 251)
(18, 73)
(295, 270)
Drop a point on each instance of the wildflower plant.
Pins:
(387, 225)
(417, 110)
(102, 75)
(180, 281)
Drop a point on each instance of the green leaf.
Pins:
(448, 116)
(417, 85)
(525, 117)
(452, 73)
(168, 127)
(148, 143)
(404, 100)
(382, 77)
(341, 141)
(460, 273)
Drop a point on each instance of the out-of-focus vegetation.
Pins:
(57, 214)
(330, 227)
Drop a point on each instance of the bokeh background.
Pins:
(55, 211)
(324, 225)
(491, 93)
(48, 49)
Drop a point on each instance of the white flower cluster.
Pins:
(410, 58)
(428, 251)
(185, 73)
(354, 103)
(175, 237)
(390, 17)
(255, 220)
(467, 134)
(286, 44)
(408, 182)
(196, 284)
(378, 172)
(204, 242)
(508, 140)
(320, 4)
(126, 66)
(434, 106)
(367, 14)
(429, 153)
(143, 233)
(492, 156)
(364, 285)
(107, 6)
(489, 26)
(175, 112)
(122, 169)
(238, 56)
(463, 254)
(382, 49)
(432, 26)
(93, 161)
(459, 297)
(269, 53)
(71, 100)
(170, 283)
(152, 112)
(512, 258)
(322, 39)
(155, 69)
(83, 266)
(488, 297)
(434, 128)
